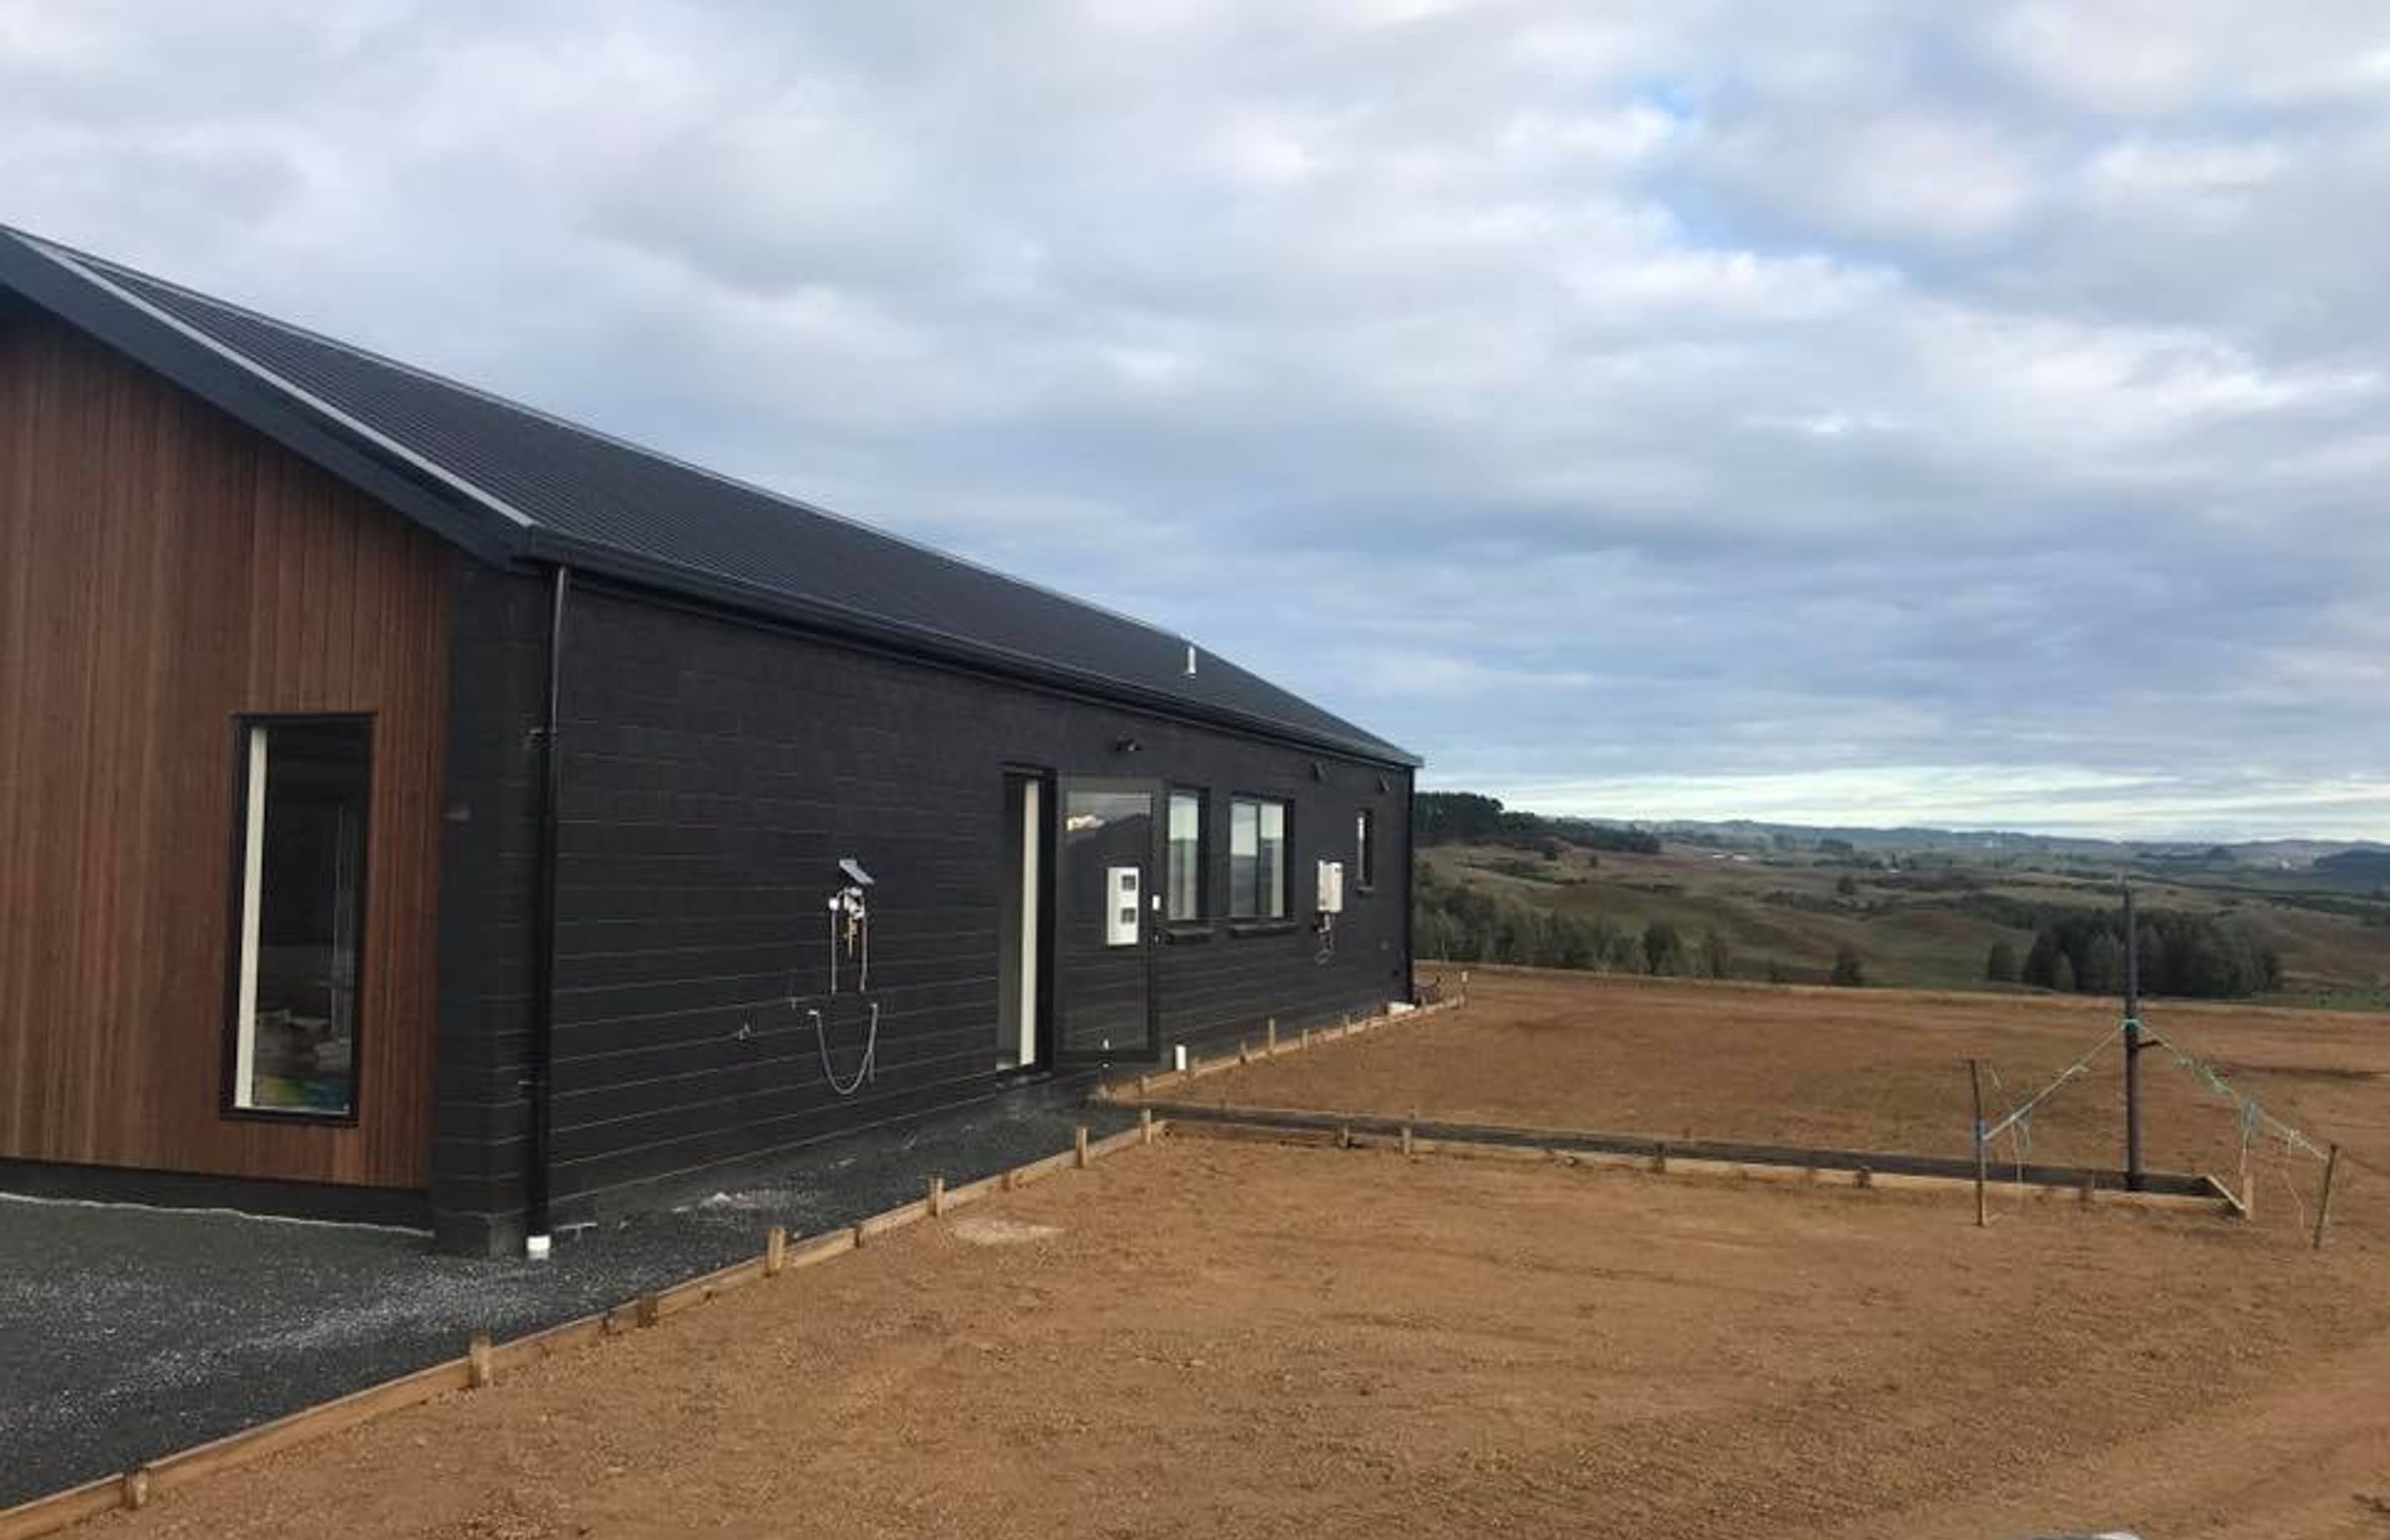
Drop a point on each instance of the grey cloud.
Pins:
(1609, 402)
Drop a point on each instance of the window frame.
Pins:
(1259, 921)
(229, 1106)
(1203, 917)
(1364, 851)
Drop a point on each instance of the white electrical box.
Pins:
(1122, 904)
(1331, 887)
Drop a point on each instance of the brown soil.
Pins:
(1881, 1070)
(1220, 1339)
(1224, 1340)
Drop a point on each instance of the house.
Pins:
(416, 806)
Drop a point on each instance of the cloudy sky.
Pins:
(1839, 412)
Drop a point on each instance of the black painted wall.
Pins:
(716, 770)
(489, 867)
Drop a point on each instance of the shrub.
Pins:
(1850, 969)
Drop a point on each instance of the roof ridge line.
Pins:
(87, 261)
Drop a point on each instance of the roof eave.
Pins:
(548, 546)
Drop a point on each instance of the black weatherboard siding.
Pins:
(715, 771)
(750, 689)
(489, 905)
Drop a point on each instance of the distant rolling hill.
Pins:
(1916, 908)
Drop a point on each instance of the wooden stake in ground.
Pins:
(1273, 1037)
(776, 1250)
(482, 1372)
(1145, 1126)
(1079, 1145)
(2248, 1178)
(937, 1196)
(1976, 1082)
(2323, 1206)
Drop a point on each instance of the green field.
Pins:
(1927, 921)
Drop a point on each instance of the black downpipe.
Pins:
(543, 1033)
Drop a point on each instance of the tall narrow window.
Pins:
(1364, 849)
(1185, 888)
(298, 914)
(1256, 859)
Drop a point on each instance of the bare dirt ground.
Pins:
(1226, 1340)
(1879, 1070)
(1231, 1340)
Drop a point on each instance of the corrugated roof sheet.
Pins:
(548, 488)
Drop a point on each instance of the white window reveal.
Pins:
(1185, 866)
(298, 936)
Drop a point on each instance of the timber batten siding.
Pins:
(162, 570)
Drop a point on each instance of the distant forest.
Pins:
(1465, 818)
(2192, 957)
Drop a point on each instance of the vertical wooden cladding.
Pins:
(161, 569)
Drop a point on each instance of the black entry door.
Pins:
(1104, 922)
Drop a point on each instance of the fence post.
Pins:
(2323, 1208)
(1976, 1082)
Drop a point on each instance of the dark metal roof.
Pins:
(512, 484)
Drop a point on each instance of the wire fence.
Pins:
(2256, 1125)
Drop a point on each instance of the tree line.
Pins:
(2191, 956)
(1459, 922)
(1466, 818)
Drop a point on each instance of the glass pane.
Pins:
(1365, 859)
(1272, 873)
(304, 883)
(1244, 856)
(1186, 885)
